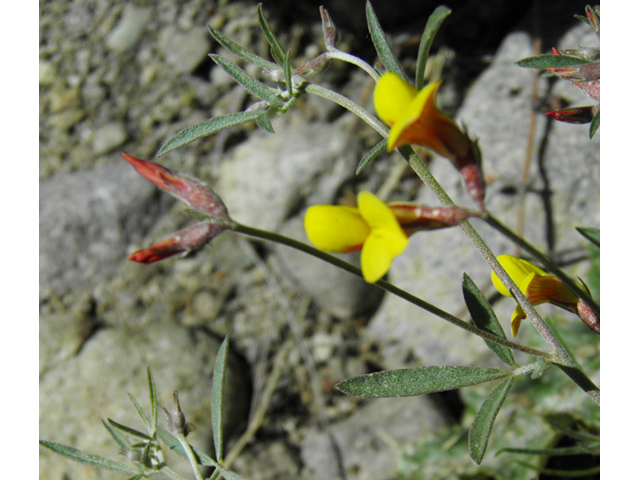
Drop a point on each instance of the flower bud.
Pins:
(182, 242)
(413, 217)
(190, 191)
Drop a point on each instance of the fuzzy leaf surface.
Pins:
(241, 52)
(85, 458)
(208, 127)
(216, 397)
(551, 61)
(383, 48)
(483, 316)
(430, 30)
(591, 234)
(416, 381)
(483, 423)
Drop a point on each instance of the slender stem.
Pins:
(549, 265)
(562, 357)
(350, 105)
(346, 57)
(192, 459)
(389, 287)
(171, 473)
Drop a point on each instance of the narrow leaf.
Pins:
(118, 437)
(416, 381)
(264, 122)
(259, 89)
(142, 415)
(383, 48)
(229, 475)
(208, 127)
(241, 52)
(595, 124)
(286, 66)
(173, 443)
(371, 154)
(591, 234)
(551, 61)
(483, 317)
(430, 30)
(128, 430)
(276, 47)
(217, 397)
(153, 400)
(482, 425)
(95, 461)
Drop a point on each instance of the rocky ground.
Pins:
(125, 77)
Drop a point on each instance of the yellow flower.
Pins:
(414, 118)
(536, 284)
(371, 227)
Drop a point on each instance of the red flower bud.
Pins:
(190, 191)
(182, 242)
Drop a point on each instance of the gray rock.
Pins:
(108, 137)
(366, 439)
(77, 393)
(185, 50)
(265, 179)
(87, 221)
(129, 29)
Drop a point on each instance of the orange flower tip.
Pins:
(152, 255)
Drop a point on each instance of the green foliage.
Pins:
(416, 381)
(433, 24)
(485, 318)
(551, 61)
(381, 44)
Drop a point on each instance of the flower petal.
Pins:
(520, 272)
(335, 228)
(386, 240)
(392, 98)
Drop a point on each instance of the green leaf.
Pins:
(264, 122)
(95, 461)
(416, 381)
(276, 47)
(153, 400)
(128, 430)
(483, 423)
(379, 39)
(229, 475)
(595, 124)
(144, 418)
(430, 30)
(371, 154)
(551, 61)
(483, 317)
(257, 88)
(173, 443)
(217, 397)
(286, 66)
(591, 234)
(208, 127)
(241, 52)
(118, 437)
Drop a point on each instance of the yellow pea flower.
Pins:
(414, 118)
(537, 285)
(371, 227)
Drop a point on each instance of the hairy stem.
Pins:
(389, 287)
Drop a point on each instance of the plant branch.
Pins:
(389, 287)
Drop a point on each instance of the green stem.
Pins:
(562, 357)
(549, 265)
(346, 57)
(350, 105)
(192, 458)
(389, 287)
